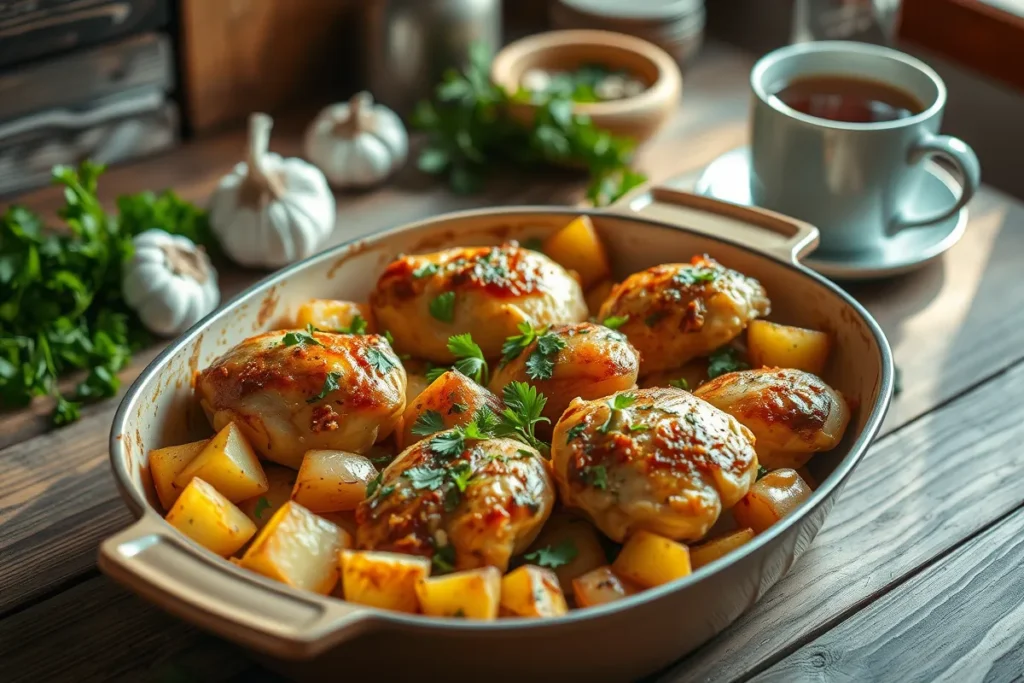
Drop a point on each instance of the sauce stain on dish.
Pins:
(267, 308)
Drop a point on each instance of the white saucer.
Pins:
(727, 178)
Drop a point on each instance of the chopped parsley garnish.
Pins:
(374, 484)
(428, 423)
(448, 444)
(523, 408)
(695, 275)
(638, 428)
(435, 371)
(262, 504)
(596, 476)
(615, 321)
(723, 360)
(301, 338)
(443, 559)
(330, 384)
(541, 363)
(517, 343)
(618, 402)
(554, 556)
(575, 431)
(679, 383)
(424, 477)
(460, 475)
(470, 359)
(382, 460)
(458, 408)
(534, 244)
(426, 270)
(357, 325)
(442, 308)
(761, 471)
(380, 361)
(459, 613)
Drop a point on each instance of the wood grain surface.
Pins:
(946, 471)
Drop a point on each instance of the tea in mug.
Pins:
(849, 99)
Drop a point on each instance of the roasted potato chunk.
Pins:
(229, 464)
(165, 464)
(773, 497)
(381, 579)
(600, 586)
(709, 551)
(650, 560)
(450, 401)
(564, 530)
(332, 481)
(532, 591)
(471, 594)
(210, 519)
(782, 346)
(298, 548)
(261, 508)
(331, 315)
(577, 247)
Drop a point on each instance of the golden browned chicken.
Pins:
(679, 311)
(294, 391)
(486, 291)
(656, 459)
(466, 504)
(566, 361)
(792, 413)
(449, 401)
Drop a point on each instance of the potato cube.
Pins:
(331, 315)
(565, 530)
(229, 463)
(577, 247)
(332, 481)
(471, 594)
(167, 463)
(281, 481)
(596, 295)
(709, 551)
(783, 346)
(438, 401)
(532, 591)
(385, 580)
(650, 560)
(210, 519)
(771, 498)
(298, 548)
(600, 586)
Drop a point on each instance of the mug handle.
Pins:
(958, 153)
(153, 560)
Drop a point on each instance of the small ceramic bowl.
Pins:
(637, 117)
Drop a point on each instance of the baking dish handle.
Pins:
(153, 560)
(774, 234)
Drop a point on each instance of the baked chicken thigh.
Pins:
(657, 459)
(679, 311)
(486, 291)
(290, 392)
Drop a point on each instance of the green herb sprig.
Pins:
(470, 130)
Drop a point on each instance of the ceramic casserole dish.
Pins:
(310, 637)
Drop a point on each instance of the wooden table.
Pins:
(917, 575)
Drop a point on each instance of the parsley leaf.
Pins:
(523, 408)
(615, 321)
(442, 308)
(460, 475)
(575, 431)
(435, 371)
(301, 338)
(693, 275)
(486, 421)
(262, 504)
(330, 384)
(374, 484)
(470, 358)
(554, 556)
(430, 422)
(358, 325)
(761, 471)
(448, 444)
(723, 360)
(622, 401)
(633, 428)
(426, 270)
(596, 476)
(458, 408)
(534, 244)
(425, 477)
(541, 363)
(517, 343)
(380, 361)
(443, 560)
(679, 383)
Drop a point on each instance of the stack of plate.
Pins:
(677, 26)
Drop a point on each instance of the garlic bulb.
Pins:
(270, 211)
(169, 282)
(357, 143)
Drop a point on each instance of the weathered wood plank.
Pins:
(962, 619)
(918, 493)
(97, 632)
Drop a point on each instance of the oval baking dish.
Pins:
(324, 636)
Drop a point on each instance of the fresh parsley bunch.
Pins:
(470, 130)
(61, 307)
